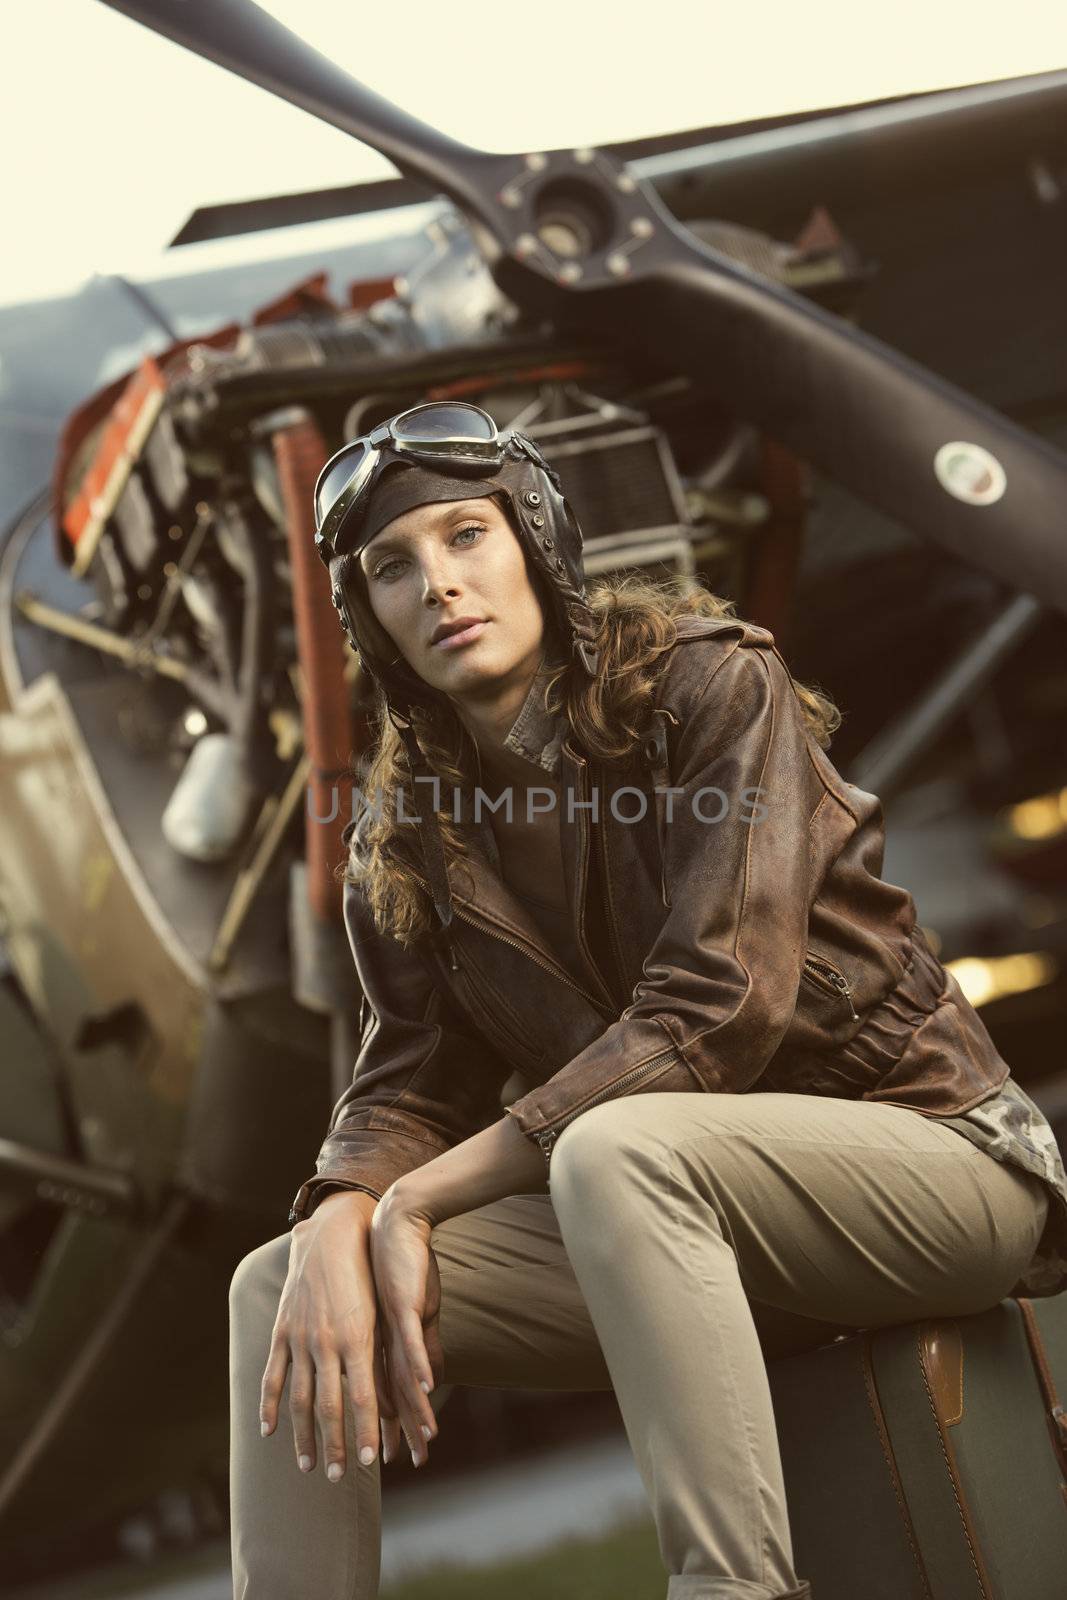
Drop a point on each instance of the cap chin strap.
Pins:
(429, 829)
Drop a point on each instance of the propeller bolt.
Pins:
(536, 162)
(524, 244)
(511, 196)
(625, 183)
(584, 156)
(570, 272)
(618, 265)
(641, 227)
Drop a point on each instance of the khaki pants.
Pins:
(685, 1238)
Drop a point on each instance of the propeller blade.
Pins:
(576, 235)
(249, 42)
(898, 436)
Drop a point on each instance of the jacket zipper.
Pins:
(547, 1139)
(824, 973)
(516, 944)
(609, 911)
(582, 766)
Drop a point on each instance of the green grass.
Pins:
(624, 1563)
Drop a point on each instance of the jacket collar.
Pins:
(540, 737)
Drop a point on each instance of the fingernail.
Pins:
(387, 1454)
(264, 1429)
(426, 1434)
(334, 1471)
(414, 1459)
(305, 1463)
(424, 1386)
(366, 1455)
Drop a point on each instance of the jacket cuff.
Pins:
(315, 1189)
(363, 1158)
(630, 1056)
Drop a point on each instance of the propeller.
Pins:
(574, 235)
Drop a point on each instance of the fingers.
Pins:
(330, 1411)
(390, 1422)
(270, 1390)
(316, 1394)
(412, 1379)
(301, 1413)
(363, 1399)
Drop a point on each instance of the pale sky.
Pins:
(111, 135)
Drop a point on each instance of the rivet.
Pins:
(559, 564)
(538, 520)
(546, 544)
(532, 497)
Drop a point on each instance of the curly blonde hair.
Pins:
(608, 716)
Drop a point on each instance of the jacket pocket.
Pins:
(496, 1017)
(827, 975)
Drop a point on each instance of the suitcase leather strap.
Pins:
(1056, 1415)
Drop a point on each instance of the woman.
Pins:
(550, 1169)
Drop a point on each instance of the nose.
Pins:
(439, 584)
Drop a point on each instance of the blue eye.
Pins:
(470, 527)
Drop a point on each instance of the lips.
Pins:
(448, 630)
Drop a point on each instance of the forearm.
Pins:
(498, 1161)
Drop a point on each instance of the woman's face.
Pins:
(447, 560)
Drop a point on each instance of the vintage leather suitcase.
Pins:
(928, 1461)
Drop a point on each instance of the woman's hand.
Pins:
(326, 1324)
(409, 1295)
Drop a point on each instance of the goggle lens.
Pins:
(338, 475)
(445, 421)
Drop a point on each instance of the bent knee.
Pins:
(607, 1142)
(259, 1277)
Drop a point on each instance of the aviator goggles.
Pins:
(452, 435)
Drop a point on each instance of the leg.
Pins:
(688, 1218)
(512, 1315)
(292, 1534)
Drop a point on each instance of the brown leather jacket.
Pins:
(760, 951)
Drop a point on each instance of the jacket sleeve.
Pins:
(720, 982)
(421, 1082)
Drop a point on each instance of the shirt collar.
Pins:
(537, 734)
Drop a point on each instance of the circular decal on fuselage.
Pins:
(970, 473)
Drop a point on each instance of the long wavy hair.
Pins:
(608, 716)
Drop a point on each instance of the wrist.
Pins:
(406, 1197)
(348, 1203)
